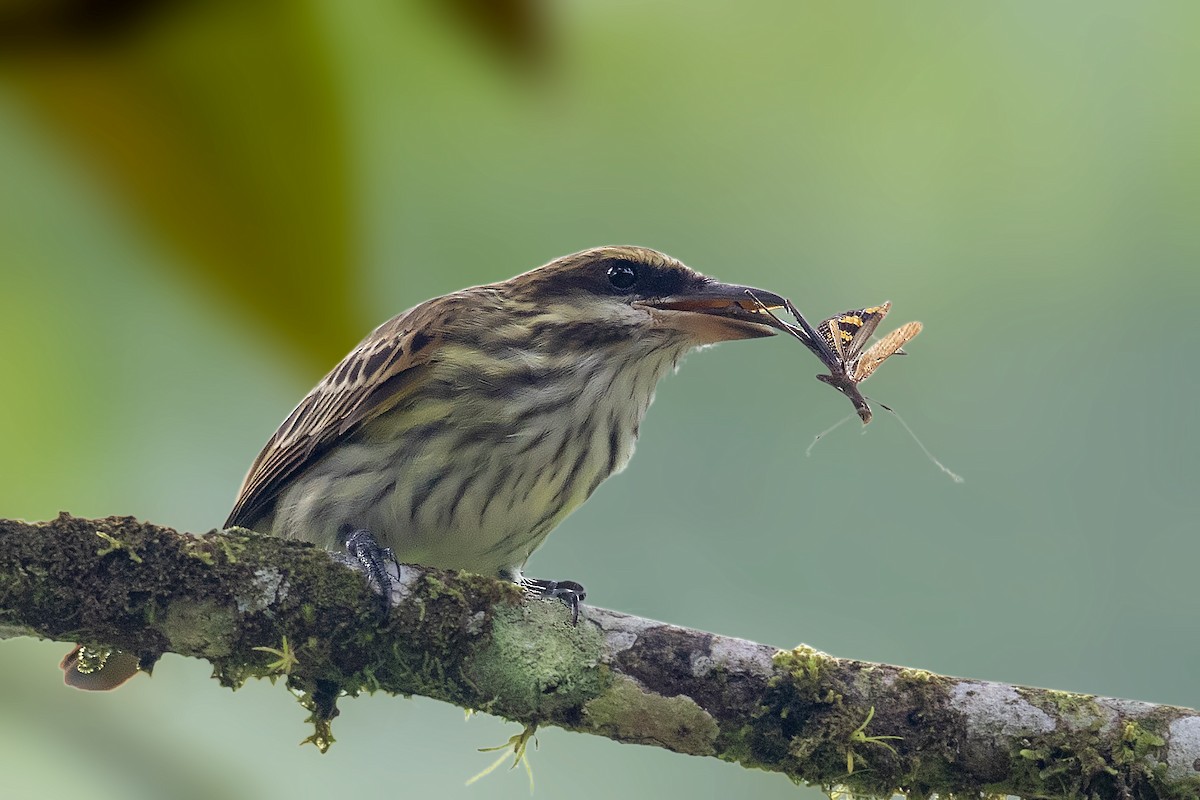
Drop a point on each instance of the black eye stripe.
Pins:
(622, 276)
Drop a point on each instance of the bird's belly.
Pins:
(481, 506)
(487, 525)
(474, 481)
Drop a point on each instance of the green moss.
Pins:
(824, 740)
(436, 588)
(1182, 789)
(1071, 703)
(201, 554)
(205, 628)
(231, 548)
(1080, 711)
(1050, 765)
(808, 670)
(539, 662)
(1069, 762)
(736, 746)
(493, 591)
(628, 713)
(1137, 743)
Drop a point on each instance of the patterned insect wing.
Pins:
(883, 349)
(847, 333)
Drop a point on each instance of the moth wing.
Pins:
(847, 333)
(884, 349)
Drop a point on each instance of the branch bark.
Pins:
(872, 729)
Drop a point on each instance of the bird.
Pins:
(461, 432)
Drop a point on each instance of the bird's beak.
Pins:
(717, 312)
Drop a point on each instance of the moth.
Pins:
(840, 343)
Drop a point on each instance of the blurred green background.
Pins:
(203, 206)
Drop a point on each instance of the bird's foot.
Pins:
(365, 555)
(569, 592)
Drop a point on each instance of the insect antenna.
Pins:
(954, 476)
(830, 429)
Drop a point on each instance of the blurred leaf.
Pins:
(515, 29)
(220, 125)
(41, 23)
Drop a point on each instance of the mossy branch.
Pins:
(256, 606)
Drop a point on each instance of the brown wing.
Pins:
(884, 349)
(848, 332)
(376, 375)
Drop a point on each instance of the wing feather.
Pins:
(373, 378)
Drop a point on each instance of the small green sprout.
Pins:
(285, 661)
(114, 545)
(517, 745)
(859, 736)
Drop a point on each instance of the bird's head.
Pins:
(607, 294)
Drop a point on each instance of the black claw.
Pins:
(569, 592)
(364, 554)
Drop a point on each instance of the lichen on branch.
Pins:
(260, 607)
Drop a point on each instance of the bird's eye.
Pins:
(622, 276)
